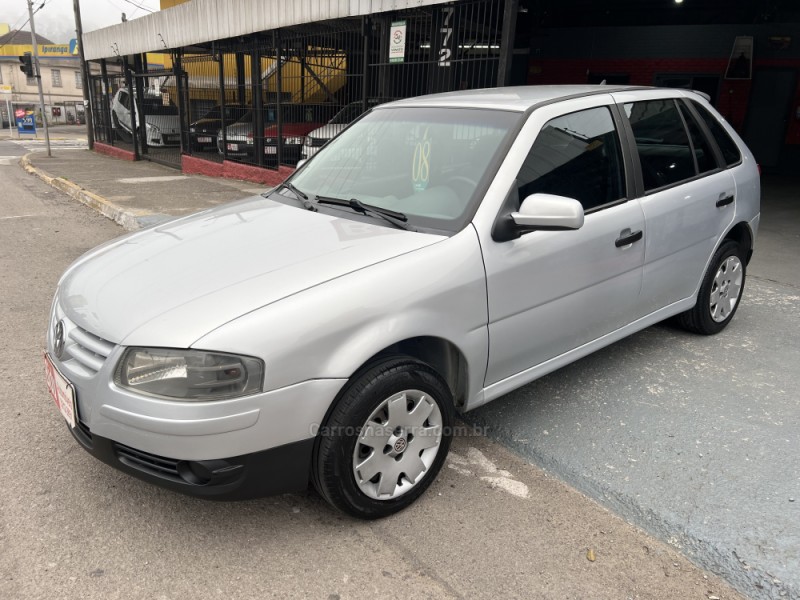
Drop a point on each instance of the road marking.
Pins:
(18, 217)
(496, 478)
(152, 179)
(36, 145)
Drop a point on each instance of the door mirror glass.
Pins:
(548, 212)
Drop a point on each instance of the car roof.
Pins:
(519, 98)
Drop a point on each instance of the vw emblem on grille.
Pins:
(58, 339)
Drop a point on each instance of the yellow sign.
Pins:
(45, 50)
(421, 165)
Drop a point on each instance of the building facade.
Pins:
(62, 83)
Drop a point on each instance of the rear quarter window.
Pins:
(729, 149)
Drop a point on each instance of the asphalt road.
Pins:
(491, 526)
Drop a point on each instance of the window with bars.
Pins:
(78, 80)
(56, 73)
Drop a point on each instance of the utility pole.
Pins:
(39, 77)
(87, 104)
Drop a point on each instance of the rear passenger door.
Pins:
(688, 197)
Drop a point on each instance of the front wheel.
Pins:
(385, 440)
(720, 292)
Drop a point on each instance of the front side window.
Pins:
(56, 74)
(578, 156)
(423, 162)
(730, 151)
(662, 142)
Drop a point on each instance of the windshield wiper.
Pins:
(398, 219)
(300, 195)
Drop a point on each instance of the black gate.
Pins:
(273, 98)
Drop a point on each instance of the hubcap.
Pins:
(397, 445)
(726, 288)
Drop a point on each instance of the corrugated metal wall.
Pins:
(202, 21)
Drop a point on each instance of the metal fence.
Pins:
(276, 97)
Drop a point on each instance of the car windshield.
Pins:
(423, 162)
(347, 114)
(156, 106)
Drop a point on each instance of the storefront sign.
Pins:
(26, 123)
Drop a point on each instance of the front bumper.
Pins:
(274, 471)
(253, 435)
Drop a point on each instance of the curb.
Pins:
(131, 219)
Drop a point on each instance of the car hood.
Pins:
(291, 129)
(327, 132)
(238, 130)
(209, 125)
(165, 123)
(172, 284)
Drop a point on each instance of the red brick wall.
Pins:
(234, 170)
(101, 148)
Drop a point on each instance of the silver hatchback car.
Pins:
(439, 253)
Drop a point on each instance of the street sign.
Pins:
(397, 42)
(6, 89)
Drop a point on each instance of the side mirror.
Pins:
(548, 212)
(301, 162)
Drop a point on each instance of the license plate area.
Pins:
(204, 140)
(61, 390)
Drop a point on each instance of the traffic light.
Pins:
(26, 64)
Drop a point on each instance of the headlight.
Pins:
(152, 128)
(192, 130)
(293, 140)
(192, 375)
(307, 141)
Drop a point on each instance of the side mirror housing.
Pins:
(548, 212)
(301, 162)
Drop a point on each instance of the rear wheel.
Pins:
(385, 440)
(720, 292)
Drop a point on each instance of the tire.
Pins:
(375, 429)
(720, 294)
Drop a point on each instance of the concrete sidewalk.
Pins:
(134, 194)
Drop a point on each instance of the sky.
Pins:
(57, 21)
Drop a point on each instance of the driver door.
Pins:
(550, 292)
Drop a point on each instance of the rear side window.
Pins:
(730, 151)
(577, 156)
(662, 143)
(703, 153)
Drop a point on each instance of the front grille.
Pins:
(316, 142)
(88, 350)
(159, 466)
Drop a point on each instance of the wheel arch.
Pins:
(742, 235)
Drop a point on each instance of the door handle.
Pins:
(628, 237)
(724, 201)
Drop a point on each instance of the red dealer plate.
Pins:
(62, 391)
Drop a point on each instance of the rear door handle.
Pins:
(628, 237)
(724, 201)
